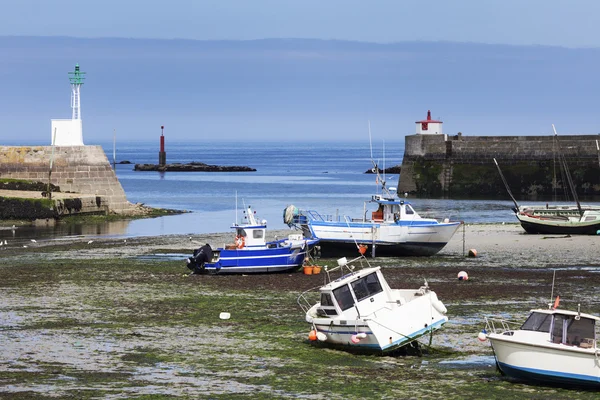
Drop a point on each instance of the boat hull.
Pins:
(246, 261)
(554, 364)
(391, 240)
(541, 226)
(345, 336)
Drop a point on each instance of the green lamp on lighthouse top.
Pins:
(76, 77)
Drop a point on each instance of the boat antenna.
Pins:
(506, 185)
(384, 162)
(375, 170)
(598, 150)
(552, 292)
(567, 173)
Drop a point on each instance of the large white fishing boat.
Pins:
(360, 311)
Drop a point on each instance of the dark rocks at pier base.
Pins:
(391, 170)
(191, 167)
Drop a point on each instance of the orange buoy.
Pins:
(312, 335)
(362, 249)
(308, 270)
(316, 270)
(472, 253)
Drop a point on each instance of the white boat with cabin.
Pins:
(553, 346)
(360, 311)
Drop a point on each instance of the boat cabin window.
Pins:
(366, 287)
(409, 210)
(568, 330)
(327, 308)
(538, 322)
(241, 232)
(257, 234)
(343, 296)
(326, 299)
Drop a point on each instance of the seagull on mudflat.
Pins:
(33, 241)
(90, 242)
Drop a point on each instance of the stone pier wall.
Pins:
(463, 166)
(75, 169)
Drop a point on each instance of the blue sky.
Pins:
(414, 56)
(519, 22)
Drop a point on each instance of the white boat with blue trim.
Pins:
(553, 346)
(394, 228)
(251, 253)
(360, 311)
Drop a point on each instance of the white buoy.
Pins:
(224, 315)
(321, 336)
(463, 276)
(482, 336)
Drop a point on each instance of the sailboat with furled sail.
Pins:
(562, 219)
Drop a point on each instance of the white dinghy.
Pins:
(360, 311)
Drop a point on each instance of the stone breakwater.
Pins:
(82, 170)
(458, 166)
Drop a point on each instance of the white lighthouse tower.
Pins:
(429, 126)
(69, 132)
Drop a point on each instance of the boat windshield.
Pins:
(366, 286)
(538, 322)
(343, 296)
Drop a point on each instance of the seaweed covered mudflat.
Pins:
(122, 318)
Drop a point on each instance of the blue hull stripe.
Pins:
(548, 376)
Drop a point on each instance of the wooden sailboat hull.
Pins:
(551, 226)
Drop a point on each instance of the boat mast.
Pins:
(506, 186)
(563, 160)
(384, 189)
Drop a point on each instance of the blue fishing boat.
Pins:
(251, 253)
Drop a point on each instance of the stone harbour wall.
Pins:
(463, 166)
(75, 169)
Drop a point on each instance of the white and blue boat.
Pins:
(251, 253)
(552, 346)
(389, 226)
(359, 311)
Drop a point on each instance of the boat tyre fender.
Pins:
(440, 307)
(240, 242)
(437, 304)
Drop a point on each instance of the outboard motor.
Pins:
(200, 257)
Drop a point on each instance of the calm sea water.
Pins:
(326, 176)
